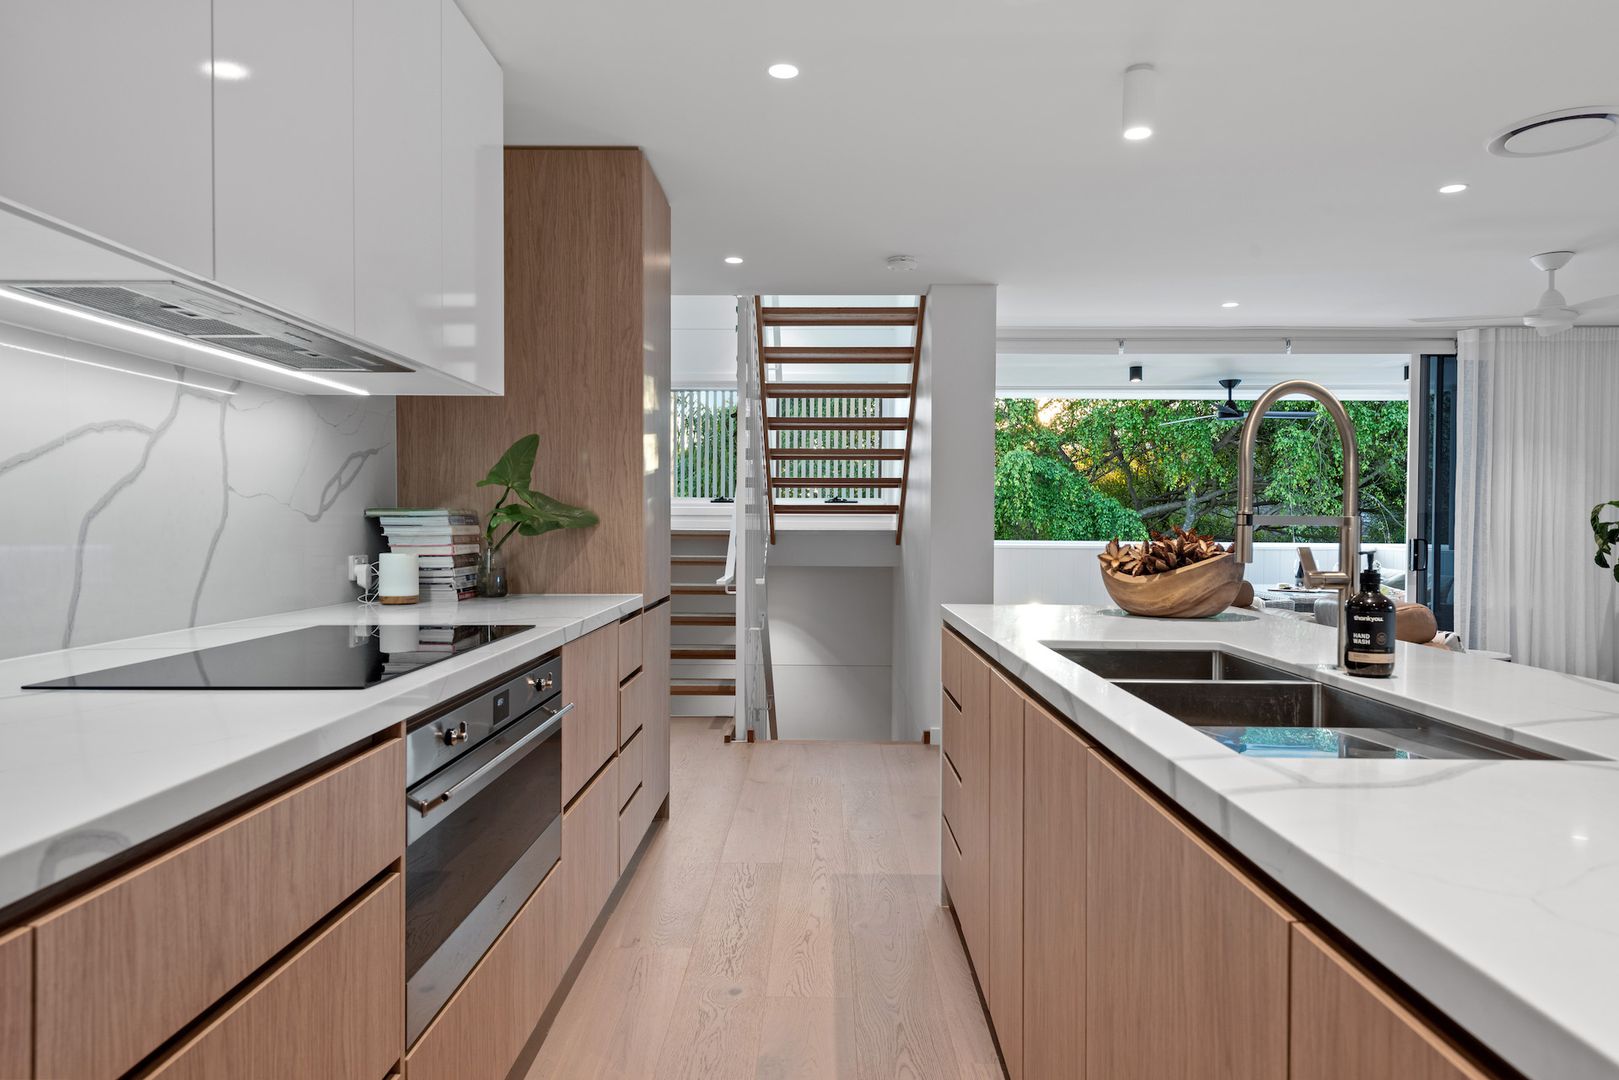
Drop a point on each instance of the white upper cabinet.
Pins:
(284, 154)
(105, 122)
(473, 344)
(398, 224)
(340, 161)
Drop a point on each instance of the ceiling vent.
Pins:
(1556, 133)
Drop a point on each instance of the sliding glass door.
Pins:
(1433, 487)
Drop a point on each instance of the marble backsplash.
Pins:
(131, 505)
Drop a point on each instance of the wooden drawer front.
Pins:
(631, 769)
(950, 721)
(969, 897)
(335, 1008)
(950, 663)
(590, 731)
(1054, 852)
(485, 1024)
(971, 750)
(630, 647)
(655, 627)
(634, 706)
(632, 823)
(16, 1004)
(117, 972)
(1186, 958)
(590, 854)
(950, 794)
(1346, 1026)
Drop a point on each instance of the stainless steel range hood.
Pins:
(189, 310)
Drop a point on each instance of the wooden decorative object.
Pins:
(1190, 592)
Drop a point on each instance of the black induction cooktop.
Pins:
(310, 658)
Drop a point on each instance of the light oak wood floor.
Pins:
(783, 923)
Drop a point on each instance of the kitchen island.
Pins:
(1487, 888)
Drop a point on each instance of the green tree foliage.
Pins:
(1083, 469)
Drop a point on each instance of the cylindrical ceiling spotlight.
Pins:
(1135, 373)
(1140, 101)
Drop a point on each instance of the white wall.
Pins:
(831, 643)
(1065, 572)
(134, 505)
(947, 548)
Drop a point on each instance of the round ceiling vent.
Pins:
(1556, 133)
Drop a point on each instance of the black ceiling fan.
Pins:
(1228, 409)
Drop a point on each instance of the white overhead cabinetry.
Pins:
(284, 138)
(106, 123)
(474, 206)
(400, 273)
(337, 161)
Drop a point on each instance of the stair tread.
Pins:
(836, 423)
(697, 560)
(703, 652)
(700, 534)
(838, 390)
(836, 508)
(834, 482)
(703, 687)
(711, 619)
(838, 316)
(696, 588)
(884, 454)
(824, 354)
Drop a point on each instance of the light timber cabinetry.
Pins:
(1112, 938)
(1345, 1026)
(1186, 960)
(1006, 857)
(1054, 829)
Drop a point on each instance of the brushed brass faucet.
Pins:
(1341, 580)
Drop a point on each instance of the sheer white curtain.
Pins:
(1537, 447)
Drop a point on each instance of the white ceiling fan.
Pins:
(1553, 314)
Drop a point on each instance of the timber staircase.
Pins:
(838, 446)
(702, 655)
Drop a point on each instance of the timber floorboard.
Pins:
(782, 924)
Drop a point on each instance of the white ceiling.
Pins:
(1298, 151)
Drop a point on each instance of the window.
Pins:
(704, 444)
(1096, 469)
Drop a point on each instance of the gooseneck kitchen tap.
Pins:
(1341, 580)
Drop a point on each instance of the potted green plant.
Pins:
(530, 514)
(1607, 535)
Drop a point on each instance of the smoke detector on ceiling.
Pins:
(1556, 133)
(902, 262)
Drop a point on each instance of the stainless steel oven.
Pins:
(483, 812)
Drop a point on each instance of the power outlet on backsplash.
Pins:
(360, 570)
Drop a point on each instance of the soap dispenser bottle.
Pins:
(1370, 617)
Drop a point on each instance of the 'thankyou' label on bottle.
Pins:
(1371, 637)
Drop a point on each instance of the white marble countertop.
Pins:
(1490, 887)
(89, 773)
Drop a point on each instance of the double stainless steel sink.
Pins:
(1264, 711)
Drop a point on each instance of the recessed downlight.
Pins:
(783, 71)
(1452, 189)
(1230, 304)
(734, 260)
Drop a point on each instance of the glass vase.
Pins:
(492, 573)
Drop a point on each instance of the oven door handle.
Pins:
(426, 806)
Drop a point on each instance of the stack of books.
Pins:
(445, 543)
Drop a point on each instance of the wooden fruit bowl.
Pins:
(1190, 592)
